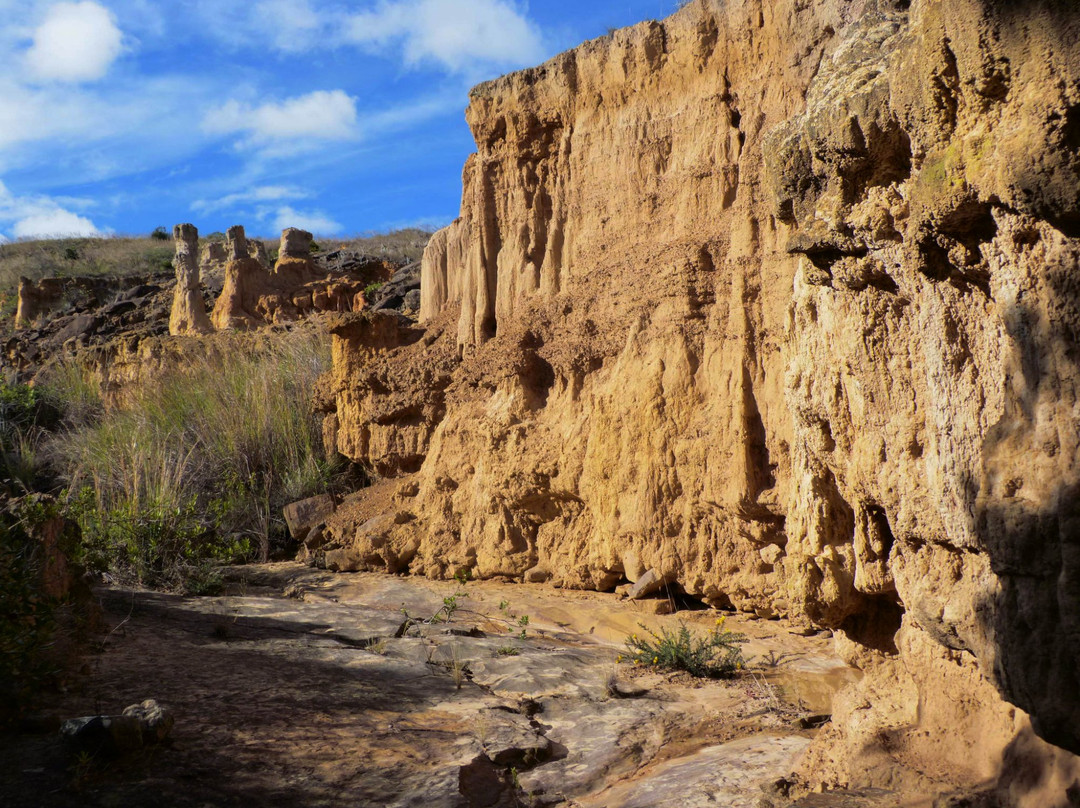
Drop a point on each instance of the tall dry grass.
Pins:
(71, 257)
(199, 464)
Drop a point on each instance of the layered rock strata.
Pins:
(777, 302)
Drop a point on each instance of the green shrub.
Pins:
(160, 234)
(371, 289)
(24, 416)
(156, 544)
(716, 655)
(28, 612)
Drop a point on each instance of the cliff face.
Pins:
(780, 300)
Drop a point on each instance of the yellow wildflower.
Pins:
(655, 660)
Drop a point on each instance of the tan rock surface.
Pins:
(188, 310)
(245, 282)
(313, 696)
(256, 295)
(778, 300)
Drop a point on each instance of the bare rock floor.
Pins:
(307, 688)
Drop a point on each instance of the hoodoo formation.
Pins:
(778, 303)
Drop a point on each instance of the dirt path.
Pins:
(313, 698)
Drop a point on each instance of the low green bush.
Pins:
(25, 415)
(714, 655)
(28, 610)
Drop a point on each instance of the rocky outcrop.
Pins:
(189, 310)
(296, 288)
(78, 313)
(245, 282)
(43, 301)
(776, 301)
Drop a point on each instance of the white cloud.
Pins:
(54, 223)
(459, 34)
(321, 115)
(76, 42)
(41, 217)
(265, 193)
(313, 221)
(292, 25)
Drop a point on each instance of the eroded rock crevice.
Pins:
(776, 303)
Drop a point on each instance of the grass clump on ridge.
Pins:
(196, 466)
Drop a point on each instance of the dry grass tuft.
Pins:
(199, 464)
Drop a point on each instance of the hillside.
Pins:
(119, 256)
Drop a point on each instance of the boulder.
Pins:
(139, 725)
(304, 516)
(648, 584)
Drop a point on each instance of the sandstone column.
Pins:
(188, 311)
(245, 279)
(294, 265)
(27, 310)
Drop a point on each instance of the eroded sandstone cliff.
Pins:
(780, 301)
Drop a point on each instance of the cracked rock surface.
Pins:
(305, 687)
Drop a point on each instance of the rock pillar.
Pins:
(188, 310)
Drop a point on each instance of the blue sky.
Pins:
(339, 116)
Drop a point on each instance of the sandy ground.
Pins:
(295, 690)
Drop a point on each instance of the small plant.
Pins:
(224, 625)
(515, 623)
(160, 234)
(507, 650)
(372, 288)
(444, 614)
(459, 669)
(71, 254)
(714, 656)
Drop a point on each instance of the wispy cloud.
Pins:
(298, 110)
(318, 116)
(292, 25)
(313, 221)
(76, 42)
(459, 35)
(265, 193)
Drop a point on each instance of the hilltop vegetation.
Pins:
(141, 255)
